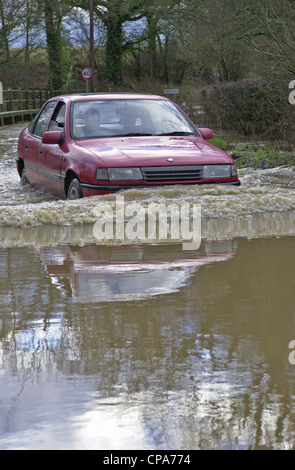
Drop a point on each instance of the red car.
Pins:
(90, 144)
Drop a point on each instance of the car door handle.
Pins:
(40, 151)
(26, 147)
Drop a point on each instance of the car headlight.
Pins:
(118, 174)
(219, 171)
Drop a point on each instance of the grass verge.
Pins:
(257, 156)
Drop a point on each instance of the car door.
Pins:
(33, 143)
(50, 156)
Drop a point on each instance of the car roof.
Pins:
(108, 96)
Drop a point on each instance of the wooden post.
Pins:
(20, 99)
(1, 97)
(10, 100)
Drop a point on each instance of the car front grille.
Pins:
(172, 173)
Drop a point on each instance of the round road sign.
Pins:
(86, 73)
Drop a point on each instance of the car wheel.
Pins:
(75, 190)
(24, 181)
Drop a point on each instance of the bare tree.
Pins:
(268, 28)
(128, 23)
(53, 14)
(18, 25)
(4, 41)
(113, 14)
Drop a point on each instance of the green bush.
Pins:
(250, 107)
(261, 157)
(218, 143)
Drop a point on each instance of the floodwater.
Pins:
(138, 344)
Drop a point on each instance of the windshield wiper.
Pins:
(132, 134)
(177, 133)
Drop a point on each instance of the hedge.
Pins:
(249, 107)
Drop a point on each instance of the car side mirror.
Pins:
(52, 137)
(207, 134)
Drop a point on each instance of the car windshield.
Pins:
(130, 117)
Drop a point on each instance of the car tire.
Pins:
(24, 180)
(75, 190)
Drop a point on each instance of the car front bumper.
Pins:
(110, 188)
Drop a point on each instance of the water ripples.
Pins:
(264, 203)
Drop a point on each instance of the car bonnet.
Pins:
(140, 151)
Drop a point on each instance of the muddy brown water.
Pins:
(138, 344)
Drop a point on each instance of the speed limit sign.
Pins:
(86, 73)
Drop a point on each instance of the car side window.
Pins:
(57, 121)
(42, 120)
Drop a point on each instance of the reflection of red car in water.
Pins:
(100, 273)
(86, 145)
